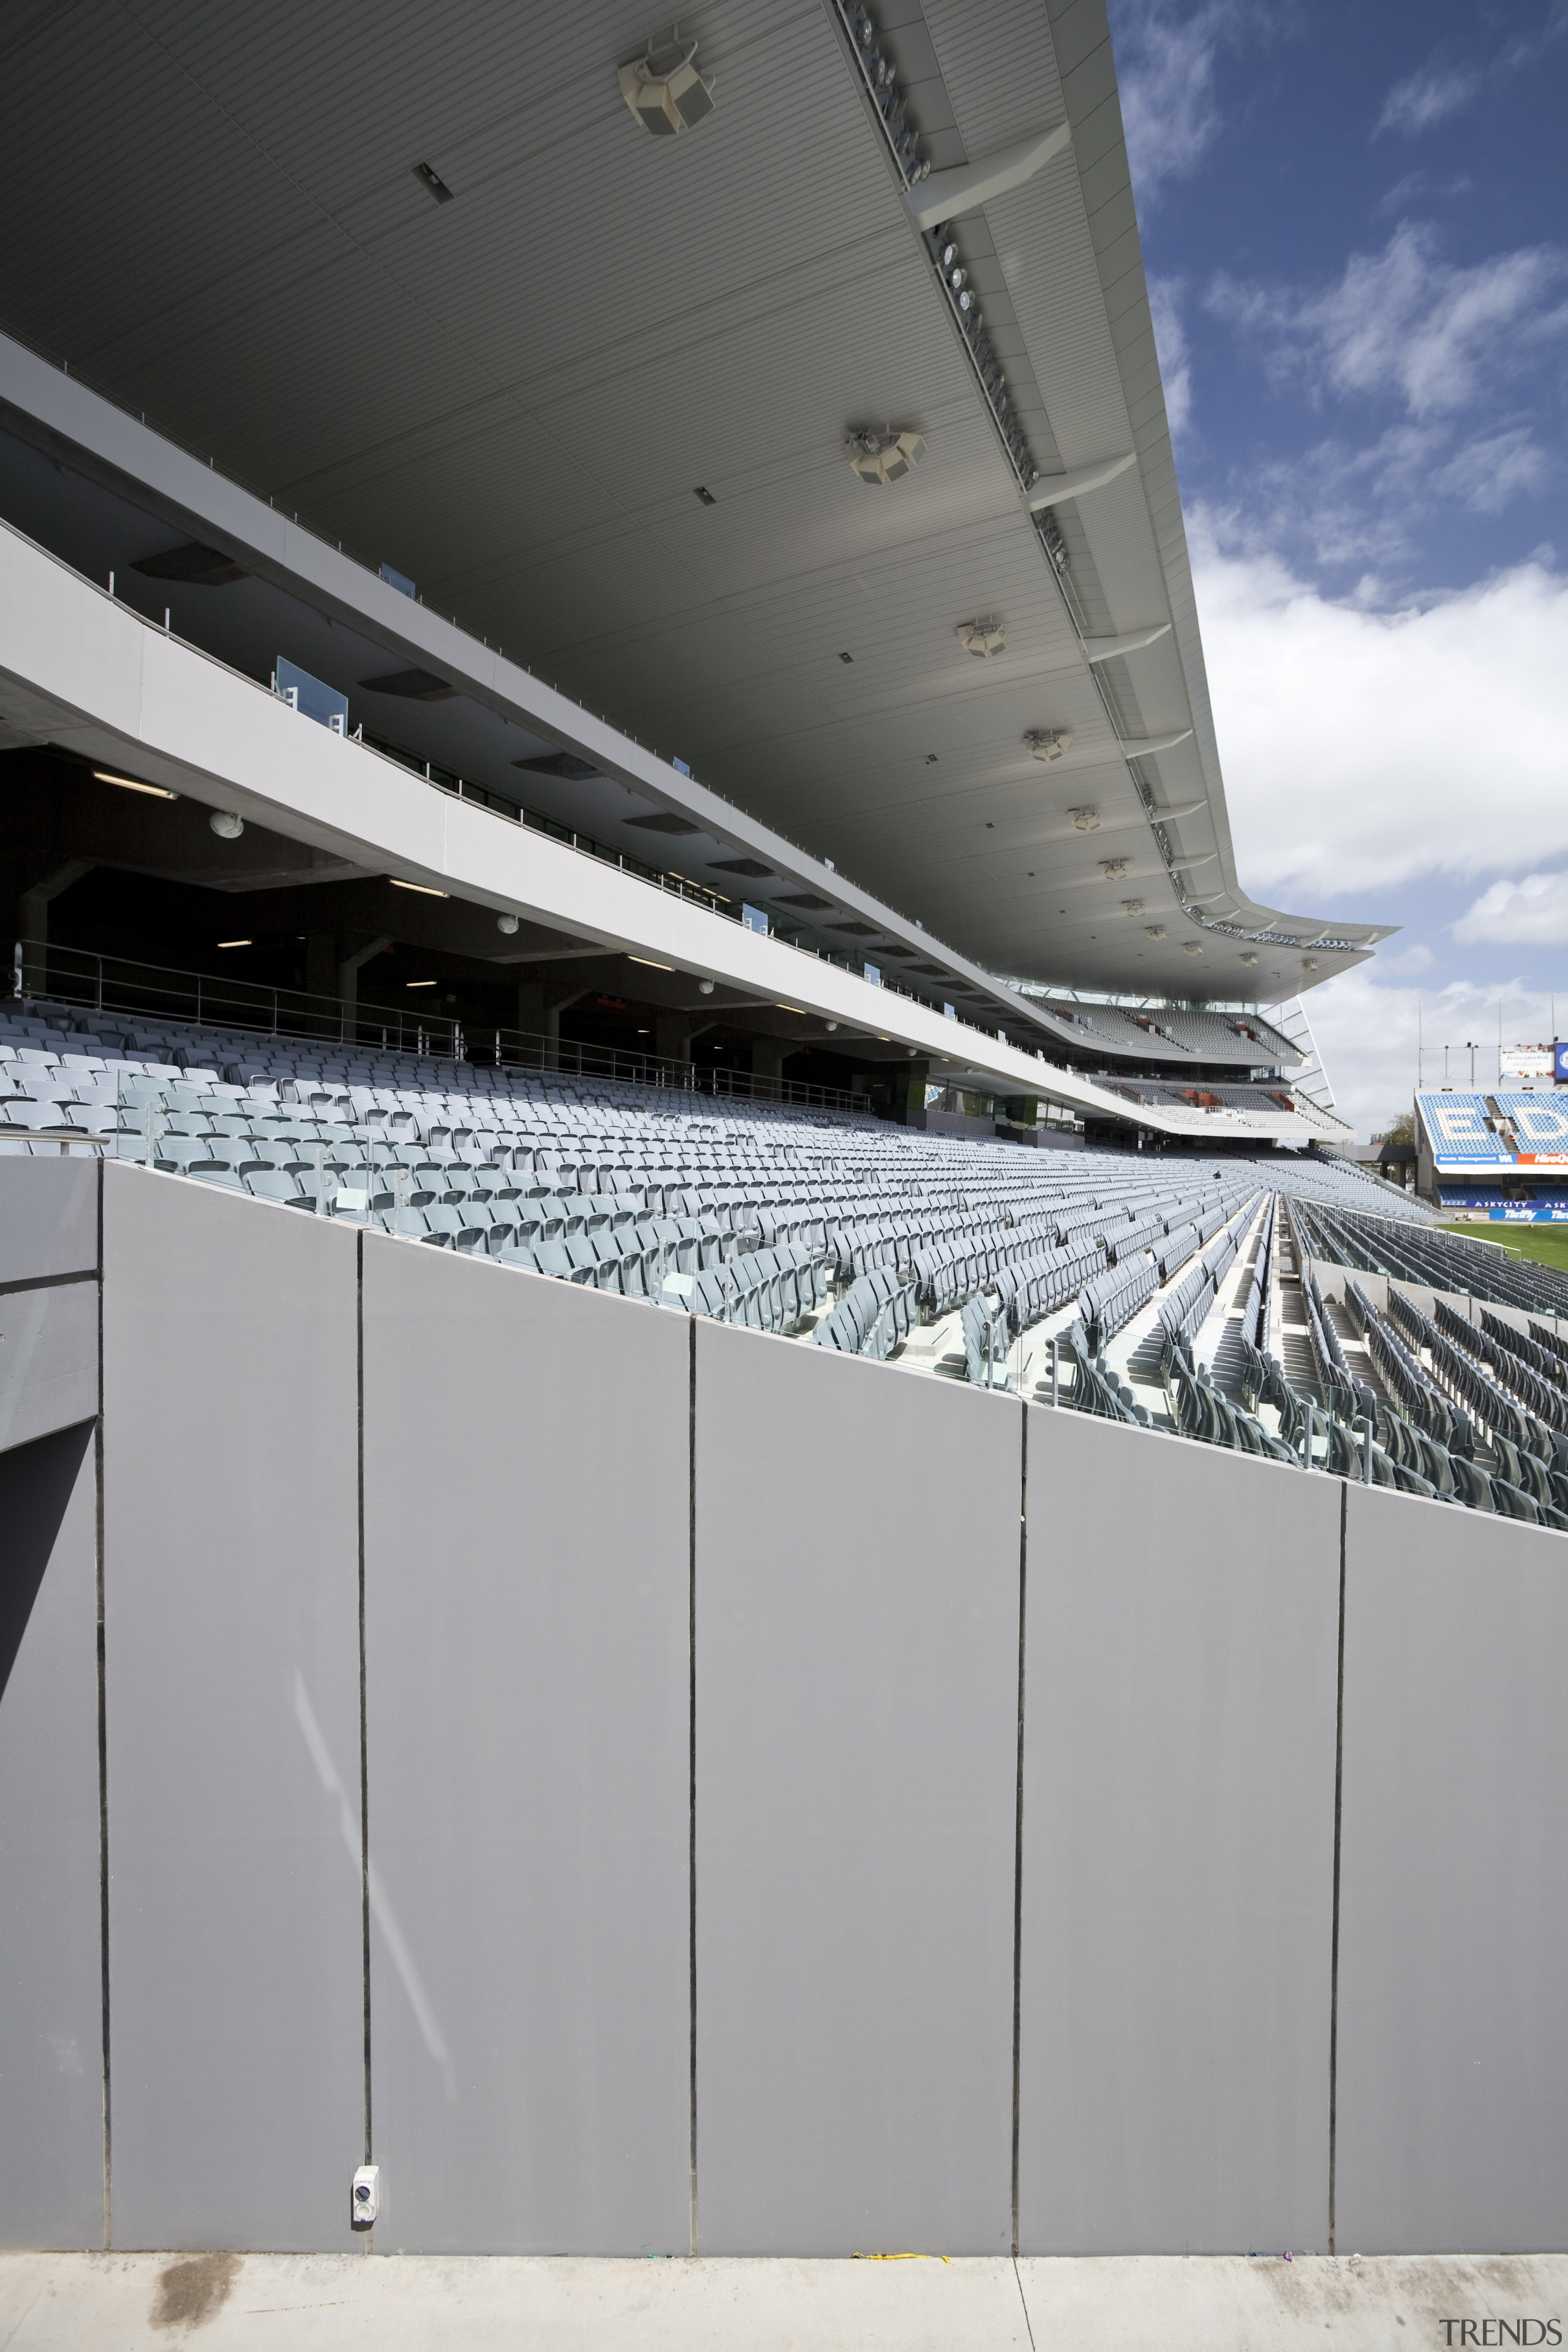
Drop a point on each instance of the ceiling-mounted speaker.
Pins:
(665, 90)
(885, 456)
(1048, 742)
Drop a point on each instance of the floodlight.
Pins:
(1114, 868)
(982, 638)
(885, 456)
(665, 90)
(1157, 931)
(1087, 818)
(1249, 957)
(1050, 743)
(1191, 947)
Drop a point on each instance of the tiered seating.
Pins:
(1458, 1127)
(1441, 1261)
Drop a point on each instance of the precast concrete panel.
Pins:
(1452, 2105)
(527, 1601)
(231, 1638)
(48, 1219)
(51, 1984)
(1178, 1831)
(857, 1681)
(48, 1358)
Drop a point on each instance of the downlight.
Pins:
(1049, 743)
(665, 90)
(982, 638)
(885, 456)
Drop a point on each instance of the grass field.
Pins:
(1548, 1244)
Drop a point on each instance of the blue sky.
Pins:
(1355, 223)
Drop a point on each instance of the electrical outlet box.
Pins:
(366, 2195)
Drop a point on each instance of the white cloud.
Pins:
(1439, 89)
(1427, 95)
(1530, 912)
(1405, 322)
(1165, 70)
(1364, 747)
(1175, 359)
(1487, 473)
(1369, 1035)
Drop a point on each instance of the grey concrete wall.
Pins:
(857, 1669)
(51, 2042)
(231, 1636)
(49, 1296)
(1180, 1664)
(1453, 2059)
(558, 1486)
(527, 1575)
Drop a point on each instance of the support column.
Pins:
(33, 918)
(672, 1036)
(348, 978)
(768, 1056)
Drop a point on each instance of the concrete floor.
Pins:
(345, 2302)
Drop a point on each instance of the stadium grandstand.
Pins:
(592, 1251)
(1502, 1156)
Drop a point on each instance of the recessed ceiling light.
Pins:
(708, 500)
(422, 888)
(134, 784)
(432, 182)
(846, 657)
(251, 944)
(421, 983)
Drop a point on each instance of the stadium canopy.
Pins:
(423, 278)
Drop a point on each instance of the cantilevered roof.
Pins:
(595, 406)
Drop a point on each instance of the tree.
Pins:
(1402, 1131)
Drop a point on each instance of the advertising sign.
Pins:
(1559, 1064)
(1525, 1067)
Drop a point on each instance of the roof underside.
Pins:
(514, 396)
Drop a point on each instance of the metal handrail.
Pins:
(81, 979)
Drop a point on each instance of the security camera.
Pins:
(226, 824)
(507, 923)
(704, 988)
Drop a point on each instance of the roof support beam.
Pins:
(1144, 747)
(1132, 641)
(1055, 489)
(947, 195)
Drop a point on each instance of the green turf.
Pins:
(1547, 1244)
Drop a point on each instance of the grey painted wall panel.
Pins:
(48, 1358)
(1178, 1846)
(48, 1218)
(51, 2042)
(527, 1581)
(232, 1664)
(1453, 2055)
(856, 1704)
